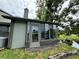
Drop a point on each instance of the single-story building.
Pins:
(4, 24)
(4, 28)
(4, 32)
(30, 33)
(26, 33)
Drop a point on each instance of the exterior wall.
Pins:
(17, 35)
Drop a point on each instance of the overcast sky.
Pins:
(31, 5)
(16, 7)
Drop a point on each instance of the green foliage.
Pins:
(70, 38)
(69, 42)
(47, 9)
(63, 36)
(22, 54)
(71, 29)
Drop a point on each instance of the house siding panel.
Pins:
(18, 39)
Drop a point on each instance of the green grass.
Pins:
(22, 54)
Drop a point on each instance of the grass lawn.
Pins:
(22, 54)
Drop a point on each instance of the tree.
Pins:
(72, 10)
(48, 10)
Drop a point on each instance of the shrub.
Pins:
(69, 42)
(70, 37)
(61, 37)
(73, 37)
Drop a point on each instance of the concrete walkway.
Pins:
(42, 48)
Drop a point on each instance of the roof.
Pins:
(5, 12)
(26, 20)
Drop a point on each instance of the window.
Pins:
(34, 29)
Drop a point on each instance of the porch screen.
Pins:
(44, 31)
(51, 32)
(47, 32)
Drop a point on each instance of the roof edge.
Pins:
(24, 19)
(5, 12)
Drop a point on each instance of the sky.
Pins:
(31, 5)
(16, 7)
(13, 7)
(65, 5)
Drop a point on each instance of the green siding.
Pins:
(18, 35)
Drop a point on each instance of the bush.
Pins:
(70, 37)
(69, 42)
(73, 37)
(61, 37)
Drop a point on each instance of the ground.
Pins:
(23, 54)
